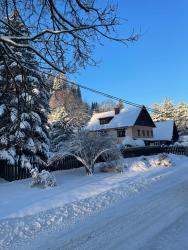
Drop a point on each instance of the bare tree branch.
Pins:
(62, 33)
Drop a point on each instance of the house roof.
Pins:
(163, 130)
(126, 118)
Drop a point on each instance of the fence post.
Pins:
(186, 151)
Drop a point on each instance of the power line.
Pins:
(103, 94)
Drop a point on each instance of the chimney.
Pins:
(117, 109)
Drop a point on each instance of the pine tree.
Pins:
(72, 104)
(60, 82)
(94, 107)
(73, 89)
(61, 128)
(23, 106)
(164, 111)
(78, 93)
(157, 114)
(181, 117)
(168, 109)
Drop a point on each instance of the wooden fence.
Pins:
(11, 173)
(69, 162)
(151, 150)
(15, 172)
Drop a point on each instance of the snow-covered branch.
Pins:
(87, 147)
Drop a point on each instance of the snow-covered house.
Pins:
(133, 122)
(165, 132)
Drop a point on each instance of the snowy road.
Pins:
(155, 218)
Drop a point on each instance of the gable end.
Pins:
(144, 119)
(175, 136)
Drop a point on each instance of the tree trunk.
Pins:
(90, 169)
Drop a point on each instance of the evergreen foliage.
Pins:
(61, 128)
(24, 95)
(78, 93)
(73, 89)
(94, 107)
(68, 112)
(169, 111)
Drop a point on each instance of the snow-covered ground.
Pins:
(110, 211)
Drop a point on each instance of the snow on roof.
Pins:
(126, 118)
(163, 130)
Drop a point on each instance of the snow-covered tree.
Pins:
(23, 103)
(78, 92)
(86, 147)
(94, 108)
(73, 89)
(61, 128)
(167, 110)
(106, 105)
(164, 111)
(68, 100)
(157, 114)
(181, 117)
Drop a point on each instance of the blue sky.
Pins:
(152, 68)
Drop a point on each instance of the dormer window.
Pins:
(105, 120)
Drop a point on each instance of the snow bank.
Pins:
(162, 160)
(145, 163)
(183, 141)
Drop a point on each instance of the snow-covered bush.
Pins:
(35, 177)
(47, 179)
(130, 142)
(87, 147)
(113, 158)
(182, 141)
(42, 179)
(111, 169)
(162, 160)
(139, 166)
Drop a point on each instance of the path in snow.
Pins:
(156, 218)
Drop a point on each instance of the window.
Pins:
(103, 132)
(147, 133)
(138, 131)
(121, 133)
(143, 133)
(105, 120)
(157, 143)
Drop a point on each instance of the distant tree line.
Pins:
(168, 110)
